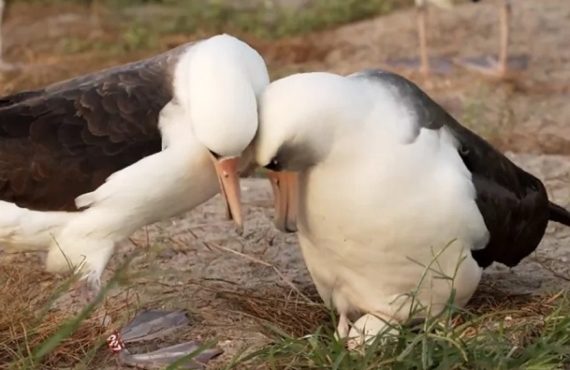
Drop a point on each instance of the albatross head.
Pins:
(218, 83)
(298, 124)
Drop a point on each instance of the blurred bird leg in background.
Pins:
(502, 65)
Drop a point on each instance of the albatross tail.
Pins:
(22, 229)
(559, 214)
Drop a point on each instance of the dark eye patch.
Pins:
(274, 165)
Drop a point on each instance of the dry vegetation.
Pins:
(26, 324)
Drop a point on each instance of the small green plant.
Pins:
(137, 37)
(142, 23)
(266, 19)
(273, 21)
(36, 337)
(491, 118)
(456, 339)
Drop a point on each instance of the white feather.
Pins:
(23, 229)
(214, 107)
(219, 81)
(382, 203)
(155, 188)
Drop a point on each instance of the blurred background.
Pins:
(46, 41)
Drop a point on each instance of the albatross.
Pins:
(397, 205)
(86, 162)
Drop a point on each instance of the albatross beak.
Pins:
(285, 189)
(227, 171)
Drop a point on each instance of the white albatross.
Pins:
(86, 162)
(391, 187)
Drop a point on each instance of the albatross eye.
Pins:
(274, 165)
(214, 154)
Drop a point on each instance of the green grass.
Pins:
(271, 21)
(491, 118)
(494, 332)
(512, 333)
(28, 355)
(140, 24)
(74, 342)
(456, 339)
(266, 20)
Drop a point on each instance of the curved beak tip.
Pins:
(290, 229)
(285, 189)
(239, 229)
(227, 172)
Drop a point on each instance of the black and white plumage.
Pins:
(394, 196)
(66, 139)
(86, 162)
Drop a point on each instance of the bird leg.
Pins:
(505, 33)
(424, 63)
(85, 291)
(422, 36)
(87, 258)
(367, 328)
(342, 327)
(1, 22)
(3, 65)
(82, 292)
(501, 65)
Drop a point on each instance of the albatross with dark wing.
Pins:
(395, 198)
(86, 162)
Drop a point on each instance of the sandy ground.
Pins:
(223, 271)
(527, 113)
(231, 284)
(197, 262)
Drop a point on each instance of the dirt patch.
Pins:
(231, 285)
(223, 278)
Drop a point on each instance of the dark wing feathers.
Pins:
(514, 204)
(559, 214)
(64, 140)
